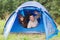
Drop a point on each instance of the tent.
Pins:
(46, 23)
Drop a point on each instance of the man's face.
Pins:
(32, 18)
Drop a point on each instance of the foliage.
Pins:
(7, 6)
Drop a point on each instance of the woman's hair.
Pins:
(20, 16)
(24, 24)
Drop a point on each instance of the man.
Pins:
(33, 20)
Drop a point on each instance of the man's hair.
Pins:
(30, 15)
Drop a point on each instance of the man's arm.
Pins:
(37, 15)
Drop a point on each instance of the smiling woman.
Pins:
(22, 20)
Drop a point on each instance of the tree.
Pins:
(7, 6)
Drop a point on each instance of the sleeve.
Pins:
(29, 25)
(37, 16)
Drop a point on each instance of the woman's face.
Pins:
(22, 18)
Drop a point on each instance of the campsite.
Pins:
(37, 21)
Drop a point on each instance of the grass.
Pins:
(24, 36)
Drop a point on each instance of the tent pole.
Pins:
(44, 20)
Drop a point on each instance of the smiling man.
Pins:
(33, 20)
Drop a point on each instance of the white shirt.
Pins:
(35, 23)
(32, 24)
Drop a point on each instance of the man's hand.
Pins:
(35, 12)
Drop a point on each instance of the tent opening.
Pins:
(24, 12)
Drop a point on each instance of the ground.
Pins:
(24, 36)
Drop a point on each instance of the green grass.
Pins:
(2, 23)
(24, 36)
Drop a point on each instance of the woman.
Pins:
(23, 21)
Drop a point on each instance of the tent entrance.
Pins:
(19, 28)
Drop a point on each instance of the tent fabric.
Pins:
(46, 23)
(34, 4)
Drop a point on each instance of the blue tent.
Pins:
(46, 23)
